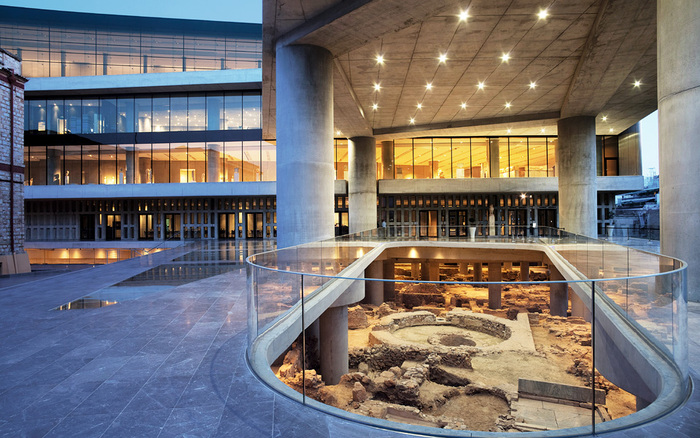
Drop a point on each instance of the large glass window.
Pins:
(108, 115)
(423, 158)
(125, 114)
(143, 108)
(251, 161)
(197, 161)
(54, 168)
(91, 116)
(91, 160)
(178, 113)
(341, 159)
(480, 158)
(442, 158)
(251, 111)
(37, 165)
(537, 154)
(74, 116)
(403, 158)
(161, 114)
(215, 112)
(56, 123)
(72, 173)
(269, 161)
(234, 111)
(233, 158)
(108, 164)
(518, 166)
(37, 115)
(461, 158)
(500, 145)
(179, 172)
(160, 163)
(195, 113)
(551, 156)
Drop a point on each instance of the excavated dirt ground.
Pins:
(480, 398)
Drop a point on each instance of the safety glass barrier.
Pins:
(410, 335)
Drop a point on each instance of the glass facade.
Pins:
(53, 43)
(148, 113)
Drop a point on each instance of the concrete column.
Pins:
(415, 270)
(524, 271)
(374, 290)
(558, 294)
(576, 164)
(478, 275)
(387, 160)
(304, 144)
(334, 344)
(495, 274)
(362, 184)
(494, 161)
(389, 274)
(213, 162)
(132, 159)
(145, 173)
(430, 271)
(53, 166)
(678, 39)
(464, 268)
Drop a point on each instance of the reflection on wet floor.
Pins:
(207, 260)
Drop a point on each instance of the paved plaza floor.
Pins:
(168, 361)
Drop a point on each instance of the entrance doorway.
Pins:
(428, 223)
(341, 223)
(227, 226)
(458, 223)
(254, 226)
(113, 229)
(145, 227)
(87, 227)
(172, 226)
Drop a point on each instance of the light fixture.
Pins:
(338, 132)
(442, 58)
(377, 87)
(419, 106)
(507, 105)
(637, 83)
(463, 15)
(533, 84)
(542, 14)
(605, 118)
(542, 130)
(464, 105)
(412, 121)
(505, 57)
(380, 59)
(480, 85)
(429, 86)
(375, 107)
(523, 196)
(611, 130)
(508, 131)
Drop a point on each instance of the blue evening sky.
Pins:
(247, 11)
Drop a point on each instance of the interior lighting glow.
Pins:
(480, 85)
(377, 86)
(463, 15)
(442, 58)
(338, 132)
(429, 86)
(637, 83)
(375, 107)
(464, 105)
(419, 106)
(533, 84)
(523, 196)
(542, 14)
(611, 130)
(380, 59)
(507, 105)
(505, 57)
(412, 121)
(542, 130)
(605, 118)
(508, 131)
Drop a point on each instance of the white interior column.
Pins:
(362, 184)
(576, 169)
(304, 117)
(333, 328)
(678, 39)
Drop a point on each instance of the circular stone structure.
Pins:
(459, 329)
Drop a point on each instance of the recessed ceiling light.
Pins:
(505, 57)
(338, 132)
(507, 105)
(412, 121)
(542, 14)
(442, 58)
(463, 15)
(377, 87)
(542, 130)
(480, 85)
(375, 107)
(533, 84)
(380, 59)
(419, 106)
(464, 105)
(508, 130)
(611, 130)
(605, 118)
(637, 83)
(429, 86)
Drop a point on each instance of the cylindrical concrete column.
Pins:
(478, 274)
(494, 160)
(362, 184)
(558, 294)
(213, 162)
(495, 274)
(678, 39)
(389, 274)
(333, 325)
(464, 268)
(387, 160)
(524, 271)
(132, 160)
(374, 290)
(304, 120)
(576, 164)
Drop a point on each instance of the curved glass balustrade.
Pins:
(627, 316)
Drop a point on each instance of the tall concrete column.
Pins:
(464, 268)
(304, 121)
(494, 160)
(374, 290)
(362, 184)
(132, 160)
(213, 162)
(495, 274)
(558, 294)
(576, 164)
(389, 274)
(333, 325)
(524, 271)
(53, 166)
(478, 274)
(415, 270)
(678, 39)
(387, 160)
(430, 271)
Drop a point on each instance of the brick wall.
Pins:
(11, 155)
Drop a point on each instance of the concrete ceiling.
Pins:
(584, 59)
